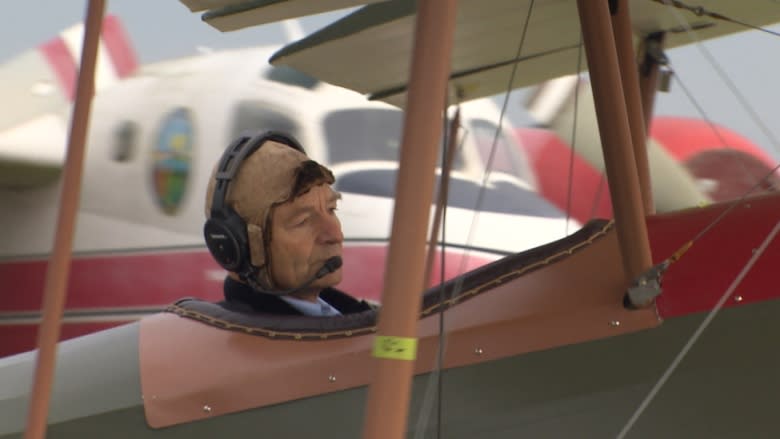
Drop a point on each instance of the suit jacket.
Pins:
(241, 297)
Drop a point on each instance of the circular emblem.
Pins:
(172, 159)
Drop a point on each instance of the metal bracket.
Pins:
(647, 287)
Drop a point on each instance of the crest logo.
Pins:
(172, 160)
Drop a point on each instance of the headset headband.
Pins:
(225, 231)
(231, 160)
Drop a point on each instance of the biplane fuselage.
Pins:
(548, 342)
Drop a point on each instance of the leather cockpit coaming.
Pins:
(435, 299)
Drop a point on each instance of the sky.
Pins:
(164, 29)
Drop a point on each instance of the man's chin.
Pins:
(329, 280)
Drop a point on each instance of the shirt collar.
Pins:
(321, 308)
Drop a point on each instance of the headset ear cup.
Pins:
(226, 240)
(225, 231)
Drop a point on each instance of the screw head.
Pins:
(332, 378)
(738, 299)
(614, 323)
(478, 351)
(206, 408)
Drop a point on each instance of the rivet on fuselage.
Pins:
(614, 323)
(478, 351)
(207, 409)
(332, 378)
(738, 298)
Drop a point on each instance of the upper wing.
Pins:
(369, 51)
(227, 15)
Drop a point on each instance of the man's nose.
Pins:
(330, 230)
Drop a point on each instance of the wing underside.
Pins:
(369, 50)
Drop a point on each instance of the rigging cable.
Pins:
(719, 70)
(449, 148)
(726, 80)
(491, 156)
(694, 338)
(694, 38)
(709, 122)
(573, 141)
(701, 11)
(465, 256)
(729, 291)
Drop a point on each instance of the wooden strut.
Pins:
(615, 133)
(395, 343)
(629, 75)
(57, 272)
(444, 189)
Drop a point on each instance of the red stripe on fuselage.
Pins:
(698, 280)
(118, 46)
(62, 64)
(159, 278)
(118, 281)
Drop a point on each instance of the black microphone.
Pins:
(331, 264)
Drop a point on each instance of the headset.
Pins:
(225, 231)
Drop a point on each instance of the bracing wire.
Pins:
(749, 109)
(436, 380)
(703, 12)
(464, 258)
(449, 148)
(496, 136)
(756, 255)
(573, 141)
(695, 337)
(733, 205)
(445, 158)
(597, 196)
(707, 119)
(719, 69)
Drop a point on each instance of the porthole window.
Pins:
(125, 140)
(172, 160)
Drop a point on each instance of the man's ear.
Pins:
(256, 250)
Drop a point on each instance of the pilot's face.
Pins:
(304, 234)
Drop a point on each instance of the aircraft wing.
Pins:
(227, 15)
(369, 50)
(32, 153)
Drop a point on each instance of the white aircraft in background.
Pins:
(156, 132)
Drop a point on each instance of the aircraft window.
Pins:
(356, 135)
(256, 116)
(500, 196)
(126, 136)
(507, 158)
(290, 76)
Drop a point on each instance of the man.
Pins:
(272, 223)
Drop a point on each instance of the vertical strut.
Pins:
(616, 136)
(55, 288)
(629, 75)
(395, 344)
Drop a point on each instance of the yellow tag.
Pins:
(395, 348)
